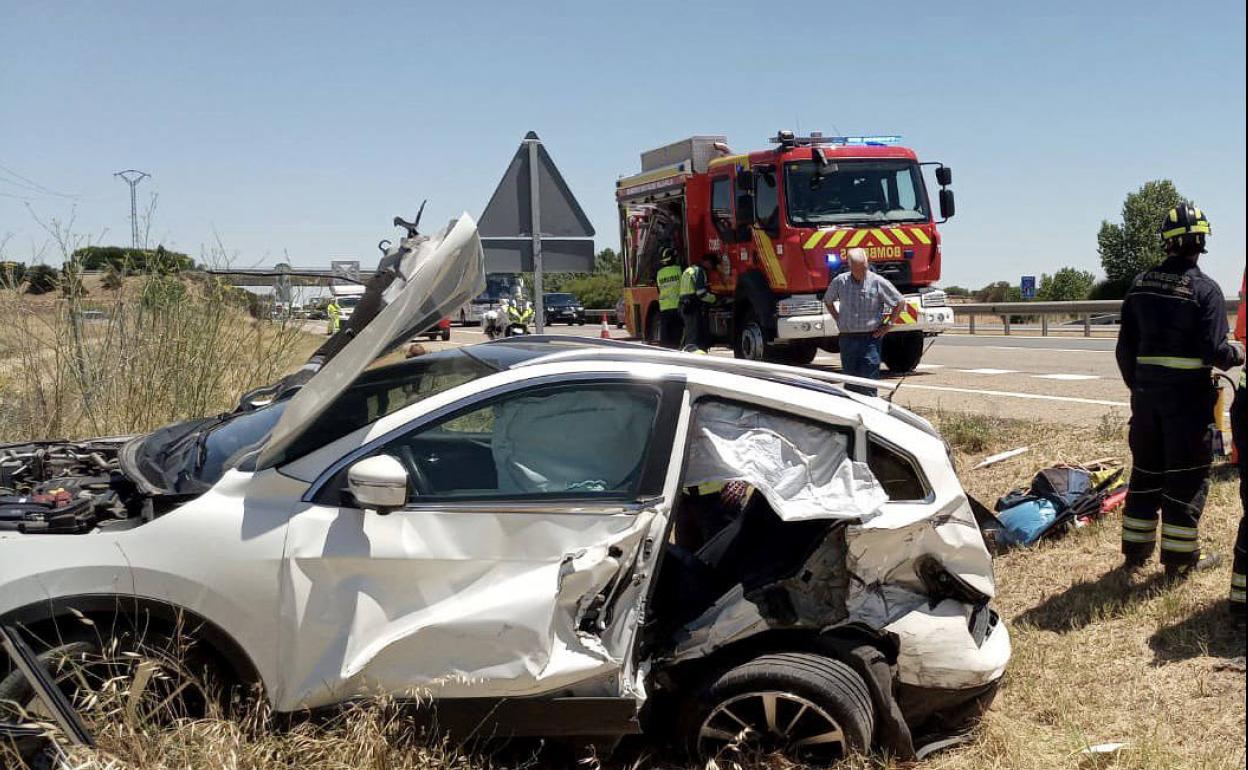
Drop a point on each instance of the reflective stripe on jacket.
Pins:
(1173, 327)
(669, 280)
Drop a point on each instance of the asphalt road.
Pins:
(1056, 379)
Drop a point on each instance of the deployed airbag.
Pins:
(801, 467)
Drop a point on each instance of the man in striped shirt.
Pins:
(869, 304)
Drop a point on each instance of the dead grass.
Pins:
(1100, 658)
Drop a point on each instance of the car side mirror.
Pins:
(944, 176)
(946, 204)
(378, 482)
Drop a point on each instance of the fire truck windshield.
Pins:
(854, 191)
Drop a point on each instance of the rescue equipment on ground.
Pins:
(1057, 498)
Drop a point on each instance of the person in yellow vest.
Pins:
(668, 279)
(695, 300)
(335, 315)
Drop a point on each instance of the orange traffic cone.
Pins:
(606, 330)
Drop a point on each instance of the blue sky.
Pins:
(302, 128)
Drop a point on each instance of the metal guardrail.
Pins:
(1084, 308)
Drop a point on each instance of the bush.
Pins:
(966, 431)
(41, 279)
(158, 260)
(1109, 289)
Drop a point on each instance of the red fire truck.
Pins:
(779, 223)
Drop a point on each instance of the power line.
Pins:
(30, 184)
(132, 177)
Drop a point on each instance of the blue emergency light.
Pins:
(834, 260)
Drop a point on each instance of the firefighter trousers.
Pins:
(693, 314)
(1171, 454)
(1239, 428)
(670, 328)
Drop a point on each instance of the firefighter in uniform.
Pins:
(1173, 331)
(668, 280)
(695, 300)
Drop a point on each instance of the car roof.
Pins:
(541, 349)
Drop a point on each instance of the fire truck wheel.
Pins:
(800, 353)
(901, 351)
(749, 341)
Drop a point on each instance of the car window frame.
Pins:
(329, 484)
(929, 494)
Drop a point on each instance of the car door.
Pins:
(513, 567)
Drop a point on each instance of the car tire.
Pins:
(901, 351)
(182, 681)
(807, 706)
(446, 335)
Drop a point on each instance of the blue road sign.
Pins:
(1027, 287)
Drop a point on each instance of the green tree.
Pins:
(1066, 285)
(1131, 247)
(993, 292)
(957, 291)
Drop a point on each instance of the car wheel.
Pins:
(901, 351)
(446, 335)
(808, 707)
(153, 682)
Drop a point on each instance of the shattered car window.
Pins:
(804, 468)
(385, 390)
(536, 443)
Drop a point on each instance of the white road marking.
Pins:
(1046, 350)
(1067, 377)
(989, 371)
(1012, 394)
(930, 366)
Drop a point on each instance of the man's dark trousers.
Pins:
(860, 357)
(670, 328)
(694, 318)
(1171, 454)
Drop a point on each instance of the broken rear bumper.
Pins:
(940, 649)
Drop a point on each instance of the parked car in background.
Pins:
(563, 307)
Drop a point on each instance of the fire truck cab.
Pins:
(778, 223)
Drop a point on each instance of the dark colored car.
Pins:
(561, 306)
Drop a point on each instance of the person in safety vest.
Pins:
(695, 300)
(1239, 433)
(520, 312)
(668, 279)
(335, 315)
(1173, 332)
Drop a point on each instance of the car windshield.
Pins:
(855, 191)
(348, 301)
(559, 299)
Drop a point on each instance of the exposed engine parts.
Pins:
(64, 488)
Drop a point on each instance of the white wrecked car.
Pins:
(550, 536)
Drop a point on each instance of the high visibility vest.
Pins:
(693, 283)
(669, 280)
(332, 310)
